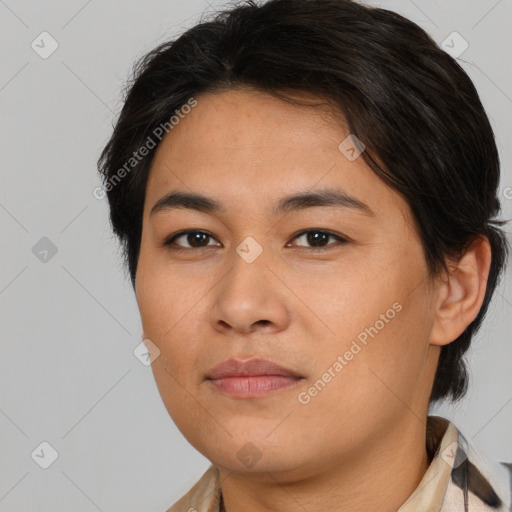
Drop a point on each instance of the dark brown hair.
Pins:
(416, 110)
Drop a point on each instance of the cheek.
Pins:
(178, 398)
(376, 347)
(360, 387)
(164, 321)
(163, 302)
(349, 300)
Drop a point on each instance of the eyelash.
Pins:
(170, 240)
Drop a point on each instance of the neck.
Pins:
(381, 476)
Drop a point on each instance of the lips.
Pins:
(253, 367)
(252, 379)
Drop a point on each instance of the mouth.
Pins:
(251, 379)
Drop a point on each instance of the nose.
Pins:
(250, 298)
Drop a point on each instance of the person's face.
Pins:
(302, 302)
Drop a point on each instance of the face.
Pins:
(334, 291)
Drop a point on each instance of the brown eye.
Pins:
(319, 238)
(315, 238)
(195, 239)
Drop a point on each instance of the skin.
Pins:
(361, 440)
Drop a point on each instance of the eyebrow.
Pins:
(325, 197)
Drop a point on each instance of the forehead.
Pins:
(249, 149)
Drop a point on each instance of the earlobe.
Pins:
(461, 292)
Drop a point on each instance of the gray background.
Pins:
(69, 324)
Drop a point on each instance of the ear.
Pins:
(460, 294)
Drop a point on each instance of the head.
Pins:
(324, 98)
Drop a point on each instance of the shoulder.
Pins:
(204, 496)
(485, 484)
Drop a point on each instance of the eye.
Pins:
(199, 239)
(193, 237)
(318, 237)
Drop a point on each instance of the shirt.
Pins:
(458, 479)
